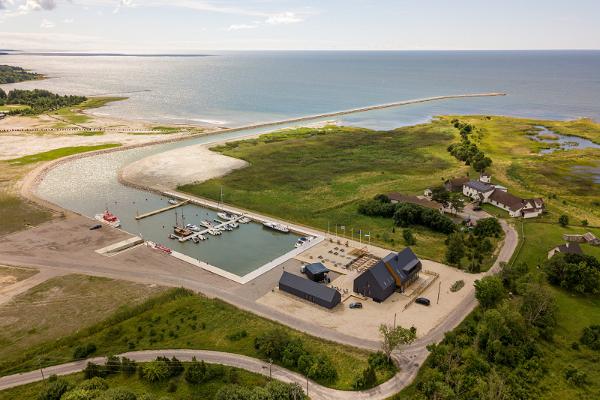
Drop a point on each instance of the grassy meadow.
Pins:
(59, 153)
(179, 319)
(317, 177)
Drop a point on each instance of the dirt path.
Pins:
(9, 292)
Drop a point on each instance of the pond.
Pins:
(561, 142)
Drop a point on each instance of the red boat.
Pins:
(159, 247)
(109, 218)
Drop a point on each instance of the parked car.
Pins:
(97, 226)
(423, 300)
(477, 208)
(357, 304)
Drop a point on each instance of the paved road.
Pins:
(315, 391)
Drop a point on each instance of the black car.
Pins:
(358, 304)
(423, 300)
(97, 226)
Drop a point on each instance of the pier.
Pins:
(160, 210)
(206, 231)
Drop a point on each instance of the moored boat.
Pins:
(109, 218)
(160, 247)
(276, 226)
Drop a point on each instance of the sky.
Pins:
(204, 25)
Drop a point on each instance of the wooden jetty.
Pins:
(160, 210)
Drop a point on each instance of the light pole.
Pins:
(439, 289)
(270, 365)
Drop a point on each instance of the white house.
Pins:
(478, 191)
(485, 178)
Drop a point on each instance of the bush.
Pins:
(154, 371)
(487, 227)
(591, 337)
(380, 361)
(575, 376)
(575, 272)
(95, 383)
(239, 335)
(128, 367)
(175, 366)
(408, 237)
(54, 390)
(456, 286)
(292, 353)
(489, 291)
(272, 343)
(83, 351)
(563, 220)
(367, 379)
(93, 370)
(377, 208)
(408, 214)
(196, 372)
(118, 394)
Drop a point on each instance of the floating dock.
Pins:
(215, 227)
(161, 210)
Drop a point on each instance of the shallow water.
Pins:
(562, 142)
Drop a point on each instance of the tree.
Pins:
(2, 96)
(489, 291)
(488, 227)
(456, 202)
(563, 220)
(54, 390)
(393, 338)
(196, 372)
(117, 394)
(591, 337)
(539, 309)
(271, 343)
(456, 248)
(584, 222)
(575, 272)
(408, 237)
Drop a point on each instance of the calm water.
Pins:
(240, 88)
(562, 142)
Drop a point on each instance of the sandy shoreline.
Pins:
(190, 164)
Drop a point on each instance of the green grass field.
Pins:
(317, 177)
(180, 320)
(60, 307)
(90, 133)
(183, 390)
(75, 115)
(59, 153)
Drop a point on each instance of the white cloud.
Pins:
(68, 20)
(284, 18)
(36, 5)
(237, 27)
(47, 24)
(123, 4)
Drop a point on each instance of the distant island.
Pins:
(10, 74)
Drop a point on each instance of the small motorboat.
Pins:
(196, 239)
(227, 228)
(201, 237)
(173, 202)
(206, 224)
(234, 225)
(192, 227)
(172, 236)
(97, 226)
(277, 227)
(159, 247)
(244, 220)
(227, 216)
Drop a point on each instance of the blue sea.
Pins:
(239, 88)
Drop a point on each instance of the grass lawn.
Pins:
(317, 177)
(178, 319)
(60, 307)
(59, 153)
(17, 213)
(13, 107)
(75, 115)
(183, 390)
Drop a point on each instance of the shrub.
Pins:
(271, 343)
(292, 353)
(128, 367)
(377, 208)
(489, 291)
(196, 372)
(487, 227)
(95, 383)
(563, 220)
(54, 390)
(591, 337)
(408, 237)
(118, 394)
(154, 371)
(408, 214)
(83, 351)
(576, 272)
(456, 286)
(575, 376)
(93, 370)
(239, 335)
(175, 366)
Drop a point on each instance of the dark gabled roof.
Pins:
(381, 275)
(403, 263)
(458, 181)
(307, 286)
(514, 203)
(479, 186)
(316, 268)
(570, 248)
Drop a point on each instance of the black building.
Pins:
(395, 271)
(309, 290)
(404, 267)
(315, 272)
(376, 282)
